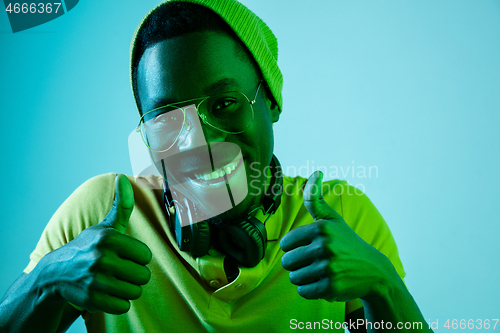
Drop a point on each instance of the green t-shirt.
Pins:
(187, 294)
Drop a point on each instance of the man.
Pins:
(208, 89)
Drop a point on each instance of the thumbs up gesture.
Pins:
(103, 269)
(327, 259)
(123, 205)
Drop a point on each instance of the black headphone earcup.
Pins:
(200, 240)
(246, 241)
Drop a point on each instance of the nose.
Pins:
(196, 133)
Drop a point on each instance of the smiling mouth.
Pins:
(218, 176)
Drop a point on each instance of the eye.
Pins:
(222, 104)
(166, 118)
(159, 119)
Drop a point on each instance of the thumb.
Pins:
(123, 205)
(313, 199)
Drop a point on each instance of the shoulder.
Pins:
(330, 187)
(350, 202)
(95, 187)
(293, 189)
(92, 200)
(97, 192)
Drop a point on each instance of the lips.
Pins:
(213, 191)
(219, 173)
(207, 165)
(217, 176)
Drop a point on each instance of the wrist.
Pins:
(387, 286)
(45, 284)
(390, 301)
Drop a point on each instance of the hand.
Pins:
(327, 259)
(102, 269)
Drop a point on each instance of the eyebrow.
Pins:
(221, 85)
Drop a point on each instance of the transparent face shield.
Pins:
(205, 179)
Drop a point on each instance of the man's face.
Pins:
(205, 64)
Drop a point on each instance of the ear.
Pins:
(272, 106)
(275, 111)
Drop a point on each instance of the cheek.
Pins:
(263, 119)
(263, 140)
(266, 134)
(260, 138)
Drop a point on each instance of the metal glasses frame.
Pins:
(202, 116)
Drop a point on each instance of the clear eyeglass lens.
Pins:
(161, 128)
(230, 112)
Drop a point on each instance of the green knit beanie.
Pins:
(252, 31)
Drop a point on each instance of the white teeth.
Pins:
(219, 172)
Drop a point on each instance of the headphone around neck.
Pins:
(244, 241)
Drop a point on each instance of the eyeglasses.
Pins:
(229, 112)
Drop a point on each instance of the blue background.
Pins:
(411, 87)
